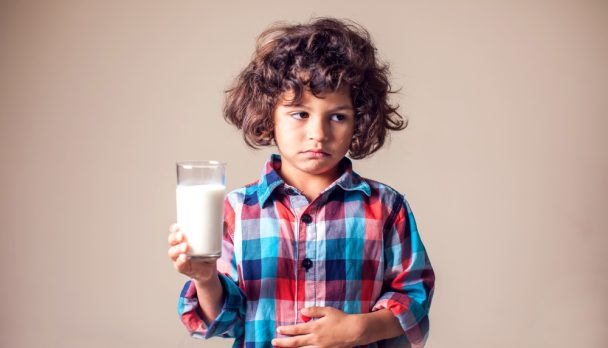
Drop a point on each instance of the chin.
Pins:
(319, 169)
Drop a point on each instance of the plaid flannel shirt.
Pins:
(356, 248)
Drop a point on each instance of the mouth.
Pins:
(315, 153)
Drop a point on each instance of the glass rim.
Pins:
(189, 164)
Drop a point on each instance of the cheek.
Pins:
(345, 144)
(284, 137)
(347, 136)
(281, 131)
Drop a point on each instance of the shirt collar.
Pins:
(270, 179)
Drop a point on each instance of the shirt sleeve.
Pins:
(409, 279)
(230, 322)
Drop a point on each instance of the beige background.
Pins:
(504, 162)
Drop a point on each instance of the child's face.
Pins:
(314, 136)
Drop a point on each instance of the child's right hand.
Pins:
(200, 270)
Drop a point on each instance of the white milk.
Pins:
(200, 216)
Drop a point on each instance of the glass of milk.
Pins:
(201, 188)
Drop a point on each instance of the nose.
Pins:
(317, 129)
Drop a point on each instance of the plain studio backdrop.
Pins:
(504, 161)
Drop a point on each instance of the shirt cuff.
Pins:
(412, 317)
(228, 322)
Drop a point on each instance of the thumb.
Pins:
(315, 312)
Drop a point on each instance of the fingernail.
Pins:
(178, 236)
(278, 330)
(305, 317)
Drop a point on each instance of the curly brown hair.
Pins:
(323, 56)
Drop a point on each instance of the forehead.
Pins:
(340, 96)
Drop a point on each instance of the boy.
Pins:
(311, 238)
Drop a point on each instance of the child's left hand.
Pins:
(334, 329)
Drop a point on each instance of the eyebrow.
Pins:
(337, 108)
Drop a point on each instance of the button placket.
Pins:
(298, 205)
(307, 219)
(307, 264)
(309, 254)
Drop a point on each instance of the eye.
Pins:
(338, 117)
(299, 115)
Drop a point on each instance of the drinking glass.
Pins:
(200, 192)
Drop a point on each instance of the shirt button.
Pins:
(306, 219)
(307, 264)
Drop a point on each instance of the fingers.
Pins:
(177, 242)
(292, 330)
(297, 341)
(175, 235)
(176, 250)
(182, 264)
